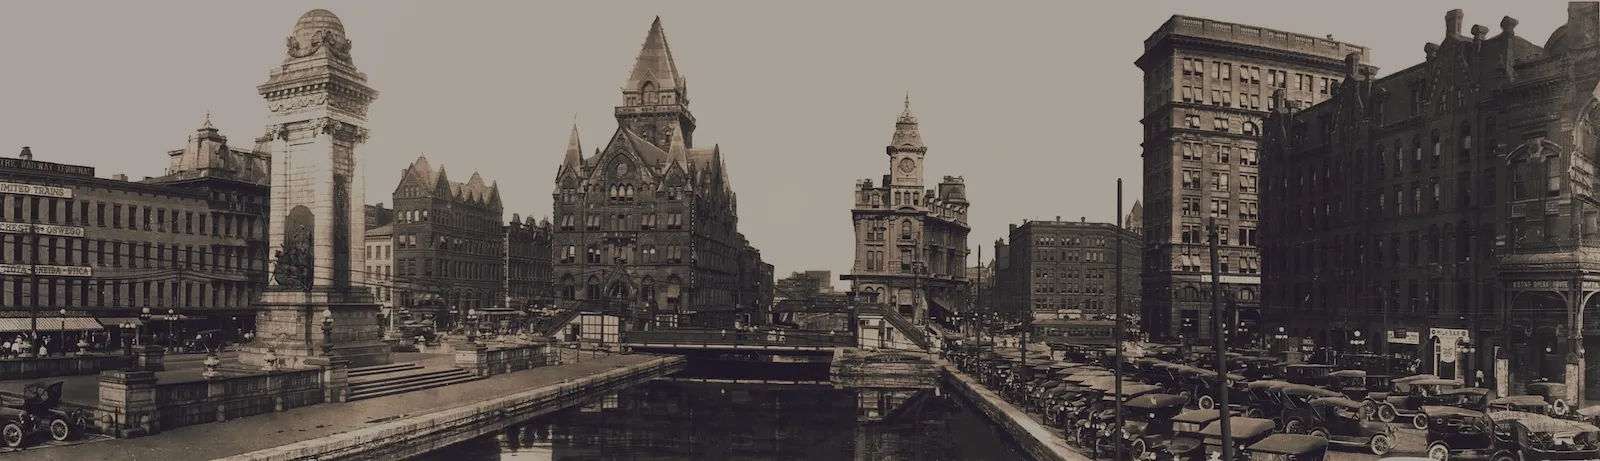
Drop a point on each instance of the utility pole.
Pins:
(1121, 324)
(33, 285)
(978, 302)
(1219, 344)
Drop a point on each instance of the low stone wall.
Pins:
(878, 369)
(135, 403)
(414, 436)
(485, 361)
(47, 367)
(1035, 441)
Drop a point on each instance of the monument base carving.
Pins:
(289, 329)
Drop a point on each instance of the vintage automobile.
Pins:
(1351, 383)
(1308, 374)
(1289, 447)
(1263, 400)
(1459, 432)
(1409, 396)
(1294, 403)
(1340, 421)
(39, 413)
(1533, 437)
(1207, 390)
(1147, 422)
(1471, 398)
(1553, 393)
(1245, 431)
(1523, 403)
(1186, 434)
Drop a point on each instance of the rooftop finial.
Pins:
(908, 99)
(207, 125)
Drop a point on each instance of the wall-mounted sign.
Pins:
(1539, 285)
(25, 228)
(47, 271)
(20, 164)
(35, 189)
(1405, 337)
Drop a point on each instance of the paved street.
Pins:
(211, 441)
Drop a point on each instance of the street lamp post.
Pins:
(172, 327)
(472, 327)
(62, 333)
(327, 333)
(1464, 351)
(1358, 342)
(129, 330)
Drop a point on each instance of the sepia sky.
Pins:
(1035, 103)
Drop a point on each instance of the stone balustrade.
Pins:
(135, 403)
(48, 367)
(489, 360)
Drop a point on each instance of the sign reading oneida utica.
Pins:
(48, 271)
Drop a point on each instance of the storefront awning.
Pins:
(19, 325)
(118, 322)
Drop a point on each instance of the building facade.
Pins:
(1064, 269)
(380, 269)
(648, 225)
(1208, 84)
(529, 275)
(805, 285)
(377, 215)
(449, 245)
(189, 246)
(911, 242)
(1446, 211)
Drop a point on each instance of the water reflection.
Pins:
(683, 420)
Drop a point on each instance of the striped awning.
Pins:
(118, 322)
(19, 325)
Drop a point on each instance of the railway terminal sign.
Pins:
(35, 189)
(25, 228)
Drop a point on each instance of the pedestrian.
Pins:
(44, 351)
(1478, 376)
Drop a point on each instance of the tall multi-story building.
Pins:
(805, 285)
(647, 227)
(1064, 268)
(449, 245)
(528, 276)
(911, 242)
(1208, 84)
(189, 246)
(1446, 211)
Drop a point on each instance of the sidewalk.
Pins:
(219, 440)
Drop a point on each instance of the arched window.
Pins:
(1466, 142)
(619, 290)
(1438, 148)
(592, 290)
(1249, 128)
(647, 94)
(1490, 146)
(647, 289)
(905, 229)
(569, 289)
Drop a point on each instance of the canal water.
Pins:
(681, 419)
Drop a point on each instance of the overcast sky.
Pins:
(1036, 103)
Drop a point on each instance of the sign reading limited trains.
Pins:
(35, 189)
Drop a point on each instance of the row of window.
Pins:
(620, 193)
(1195, 234)
(1195, 151)
(1069, 273)
(1069, 256)
(447, 268)
(1191, 207)
(1069, 289)
(1248, 183)
(50, 210)
(1247, 265)
(622, 222)
(1221, 124)
(1419, 297)
(68, 292)
(19, 249)
(1223, 71)
(1415, 249)
(625, 254)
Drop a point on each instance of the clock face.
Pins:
(907, 165)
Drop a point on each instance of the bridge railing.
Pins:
(739, 338)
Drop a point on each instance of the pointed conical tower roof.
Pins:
(574, 157)
(655, 63)
(906, 133)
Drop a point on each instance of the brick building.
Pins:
(449, 245)
(189, 245)
(379, 262)
(528, 276)
(1208, 84)
(647, 226)
(1056, 269)
(911, 241)
(377, 215)
(1448, 204)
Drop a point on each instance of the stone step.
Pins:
(408, 375)
(383, 369)
(410, 384)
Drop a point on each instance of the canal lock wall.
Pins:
(418, 435)
(1033, 439)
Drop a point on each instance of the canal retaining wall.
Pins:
(1035, 440)
(414, 436)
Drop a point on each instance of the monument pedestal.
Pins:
(289, 326)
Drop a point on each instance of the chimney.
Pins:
(27, 153)
(1431, 50)
(1479, 32)
(1058, 219)
(1352, 64)
(119, 177)
(1508, 26)
(1083, 219)
(1452, 23)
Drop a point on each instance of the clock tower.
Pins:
(906, 152)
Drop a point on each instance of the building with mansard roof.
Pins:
(1446, 211)
(647, 226)
(449, 244)
(911, 241)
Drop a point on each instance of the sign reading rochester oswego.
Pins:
(48, 271)
(35, 189)
(25, 228)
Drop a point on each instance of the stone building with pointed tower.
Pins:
(318, 103)
(449, 248)
(647, 227)
(911, 241)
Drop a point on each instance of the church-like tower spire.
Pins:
(574, 157)
(906, 150)
(656, 96)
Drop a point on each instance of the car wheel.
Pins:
(1319, 432)
(1138, 449)
(1207, 403)
(1438, 452)
(12, 434)
(1381, 444)
(1293, 426)
(1559, 407)
(1253, 413)
(1386, 413)
(1184, 394)
(1505, 457)
(60, 431)
(1420, 422)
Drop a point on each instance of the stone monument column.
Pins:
(318, 103)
